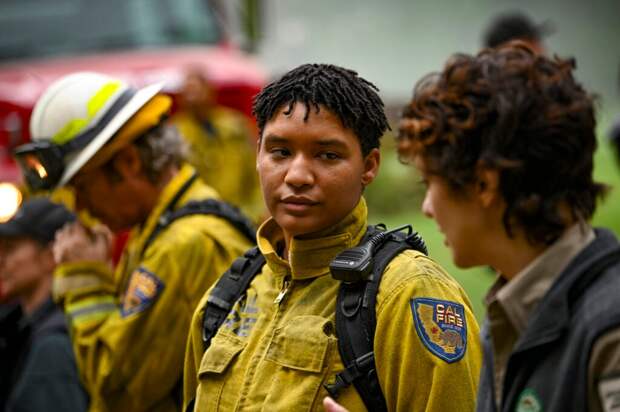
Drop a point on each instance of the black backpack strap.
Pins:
(228, 289)
(356, 322)
(162, 223)
(202, 207)
(214, 207)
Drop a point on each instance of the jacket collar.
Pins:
(543, 328)
(309, 256)
(519, 297)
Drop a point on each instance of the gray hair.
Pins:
(160, 148)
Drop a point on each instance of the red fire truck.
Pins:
(141, 41)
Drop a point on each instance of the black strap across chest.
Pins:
(355, 312)
(199, 207)
(356, 322)
(214, 207)
(228, 289)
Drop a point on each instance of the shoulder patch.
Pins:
(609, 392)
(528, 402)
(143, 289)
(441, 326)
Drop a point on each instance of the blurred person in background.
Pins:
(222, 144)
(614, 138)
(516, 26)
(110, 143)
(614, 132)
(504, 141)
(505, 27)
(38, 371)
(281, 345)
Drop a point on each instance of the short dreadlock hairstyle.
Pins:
(350, 97)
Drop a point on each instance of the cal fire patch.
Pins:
(143, 289)
(441, 327)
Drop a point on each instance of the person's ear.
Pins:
(372, 162)
(487, 185)
(127, 162)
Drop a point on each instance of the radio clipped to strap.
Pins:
(360, 269)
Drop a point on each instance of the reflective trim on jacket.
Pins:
(131, 359)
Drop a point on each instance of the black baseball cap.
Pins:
(37, 218)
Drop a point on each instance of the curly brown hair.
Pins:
(519, 113)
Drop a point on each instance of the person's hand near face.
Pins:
(76, 243)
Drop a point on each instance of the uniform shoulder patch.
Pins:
(441, 326)
(142, 290)
(609, 392)
(528, 402)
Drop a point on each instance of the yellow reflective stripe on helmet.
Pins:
(70, 130)
(101, 97)
(94, 105)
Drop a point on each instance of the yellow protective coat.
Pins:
(133, 362)
(225, 156)
(277, 356)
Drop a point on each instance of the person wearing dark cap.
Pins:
(109, 142)
(221, 143)
(38, 370)
(516, 26)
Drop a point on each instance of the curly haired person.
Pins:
(504, 141)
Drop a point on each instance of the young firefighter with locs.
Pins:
(327, 305)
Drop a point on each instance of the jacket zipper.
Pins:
(282, 294)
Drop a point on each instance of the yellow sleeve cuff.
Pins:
(81, 277)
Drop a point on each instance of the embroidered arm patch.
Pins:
(609, 391)
(142, 291)
(441, 326)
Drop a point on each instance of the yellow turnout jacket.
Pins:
(129, 327)
(278, 346)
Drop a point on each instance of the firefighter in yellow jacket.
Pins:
(129, 326)
(277, 350)
(222, 144)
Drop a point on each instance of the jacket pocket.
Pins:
(212, 372)
(302, 351)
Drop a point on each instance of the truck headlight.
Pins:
(10, 200)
